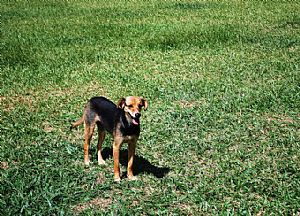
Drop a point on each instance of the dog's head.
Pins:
(133, 106)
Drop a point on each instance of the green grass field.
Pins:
(221, 135)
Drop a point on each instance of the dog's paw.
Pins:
(101, 162)
(117, 180)
(86, 163)
(132, 178)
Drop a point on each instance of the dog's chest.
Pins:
(130, 131)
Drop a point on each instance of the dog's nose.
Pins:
(137, 115)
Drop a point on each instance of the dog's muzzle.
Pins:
(136, 119)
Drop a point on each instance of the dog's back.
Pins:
(100, 110)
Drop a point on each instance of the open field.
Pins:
(222, 132)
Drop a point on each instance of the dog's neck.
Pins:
(127, 127)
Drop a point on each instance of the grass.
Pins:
(221, 136)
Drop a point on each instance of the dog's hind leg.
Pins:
(101, 137)
(88, 133)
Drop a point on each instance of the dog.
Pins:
(121, 120)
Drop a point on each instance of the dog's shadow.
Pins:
(140, 164)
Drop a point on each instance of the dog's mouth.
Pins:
(135, 121)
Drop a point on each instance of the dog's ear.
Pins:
(145, 103)
(121, 103)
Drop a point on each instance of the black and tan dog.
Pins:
(121, 120)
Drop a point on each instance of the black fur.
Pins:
(111, 116)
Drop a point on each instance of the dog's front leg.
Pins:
(131, 152)
(116, 155)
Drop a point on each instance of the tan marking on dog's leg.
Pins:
(101, 137)
(131, 152)
(88, 133)
(116, 155)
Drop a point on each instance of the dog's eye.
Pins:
(140, 106)
(130, 106)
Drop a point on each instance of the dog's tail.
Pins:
(75, 124)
